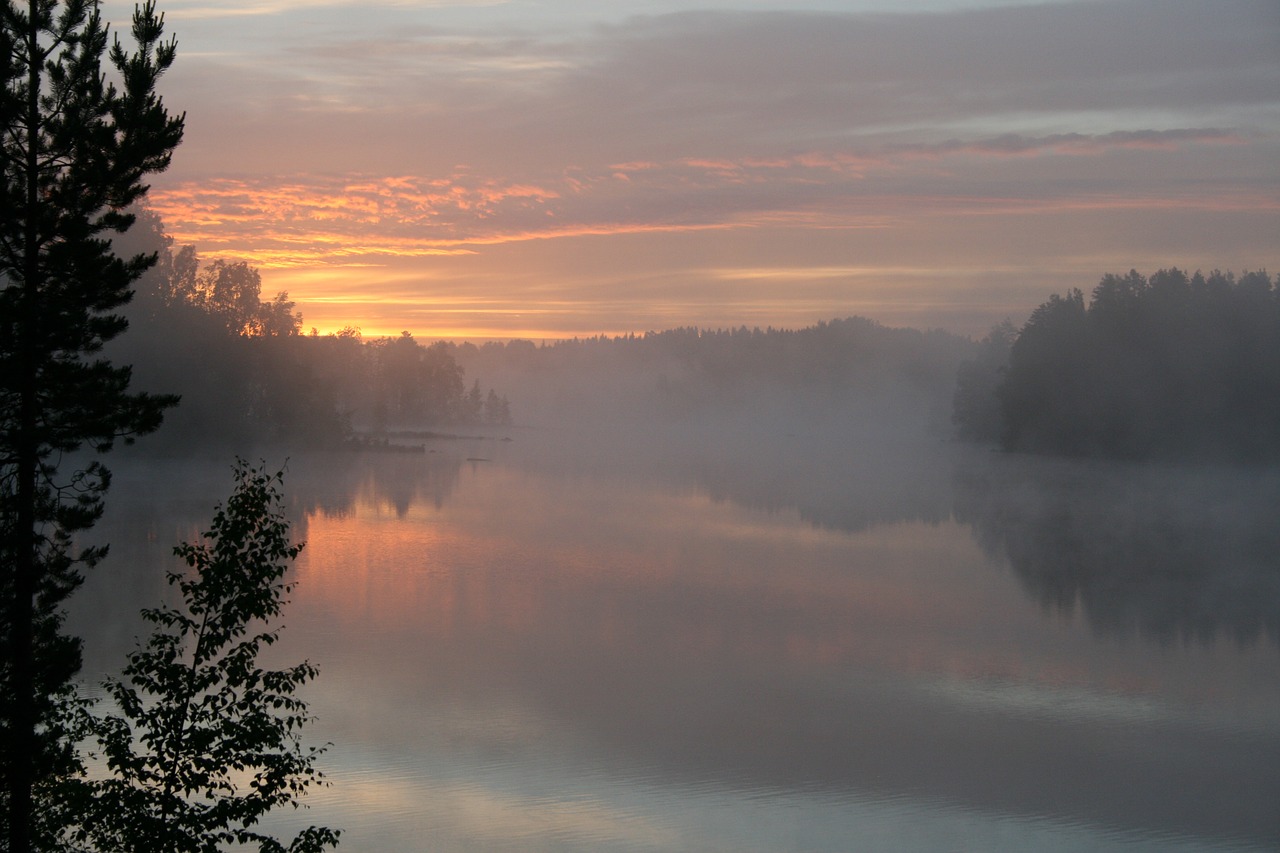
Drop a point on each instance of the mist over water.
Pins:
(664, 612)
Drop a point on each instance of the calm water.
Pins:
(569, 649)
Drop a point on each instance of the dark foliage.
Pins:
(207, 741)
(1174, 366)
(74, 151)
(247, 375)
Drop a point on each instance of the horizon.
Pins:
(308, 330)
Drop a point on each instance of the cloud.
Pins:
(715, 84)
(288, 220)
(196, 9)
(386, 135)
(1018, 145)
(764, 81)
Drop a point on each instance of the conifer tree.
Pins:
(74, 151)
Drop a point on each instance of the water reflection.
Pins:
(156, 503)
(849, 473)
(1166, 553)
(543, 630)
(335, 483)
(683, 654)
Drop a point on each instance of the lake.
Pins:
(561, 644)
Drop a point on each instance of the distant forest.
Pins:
(1174, 366)
(689, 368)
(837, 352)
(246, 371)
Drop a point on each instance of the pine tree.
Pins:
(74, 150)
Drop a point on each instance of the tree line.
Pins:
(838, 352)
(246, 371)
(1172, 366)
(817, 372)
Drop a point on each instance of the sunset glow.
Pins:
(443, 591)
(513, 169)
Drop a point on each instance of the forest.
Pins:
(246, 371)
(851, 377)
(1174, 366)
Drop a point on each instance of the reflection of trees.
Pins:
(334, 483)
(1164, 552)
(144, 523)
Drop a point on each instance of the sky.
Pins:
(545, 169)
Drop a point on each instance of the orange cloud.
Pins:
(295, 221)
(925, 200)
(303, 219)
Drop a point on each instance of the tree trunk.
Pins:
(23, 747)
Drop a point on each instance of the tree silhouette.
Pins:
(244, 372)
(1045, 383)
(74, 150)
(1171, 366)
(232, 292)
(207, 741)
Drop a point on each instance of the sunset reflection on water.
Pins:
(651, 570)
(532, 634)
(526, 656)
